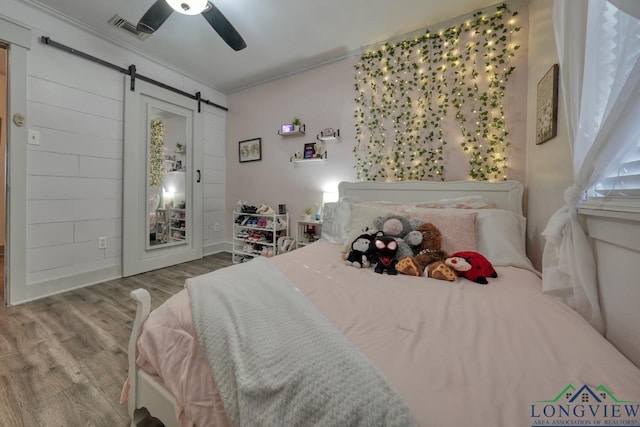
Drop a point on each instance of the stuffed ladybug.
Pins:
(385, 248)
(472, 266)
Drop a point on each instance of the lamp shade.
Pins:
(188, 7)
(173, 182)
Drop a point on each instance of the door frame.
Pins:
(18, 39)
(136, 258)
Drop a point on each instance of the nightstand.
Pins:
(308, 232)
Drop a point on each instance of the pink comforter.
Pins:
(457, 352)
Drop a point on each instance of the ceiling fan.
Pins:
(162, 9)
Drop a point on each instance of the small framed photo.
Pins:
(286, 128)
(547, 106)
(250, 150)
(309, 150)
(327, 133)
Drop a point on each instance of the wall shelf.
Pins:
(301, 131)
(311, 160)
(332, 136)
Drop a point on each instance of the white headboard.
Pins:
(505, 194)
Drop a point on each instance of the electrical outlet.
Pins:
(216, 226)
(102, 242)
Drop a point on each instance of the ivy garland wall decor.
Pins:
(410, 93)
(156, 153)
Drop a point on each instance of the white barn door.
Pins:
(162, 209)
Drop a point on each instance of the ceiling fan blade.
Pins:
(154, 17)
(224, 28)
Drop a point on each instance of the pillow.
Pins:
(335, 222)
(458, 230)
(502, 238)
(501, 235)
(361, 221)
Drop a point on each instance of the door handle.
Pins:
(199, 176)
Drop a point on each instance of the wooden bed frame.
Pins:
(147, 391)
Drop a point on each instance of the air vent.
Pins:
(120, 22)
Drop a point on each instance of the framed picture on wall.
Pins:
(250, 150)
(547, 106)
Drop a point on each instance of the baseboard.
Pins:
(34, 291)
(216, 247)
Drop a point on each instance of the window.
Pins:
(624, 182)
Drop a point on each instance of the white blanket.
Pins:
(277, 361)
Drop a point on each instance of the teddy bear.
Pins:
(361, 251)
(471, 265)
(429, 250)
(428, 260)
(384, 251)
(403, 230)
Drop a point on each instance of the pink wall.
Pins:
(549, 165)
(324, 97)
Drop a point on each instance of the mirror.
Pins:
(167, 163)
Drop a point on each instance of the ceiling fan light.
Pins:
(188, 7)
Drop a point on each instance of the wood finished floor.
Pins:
(63, 359)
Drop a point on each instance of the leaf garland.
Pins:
(410, 93)
(156, 153)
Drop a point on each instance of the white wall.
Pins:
(74, 177)
(3, 138)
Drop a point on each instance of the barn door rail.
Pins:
(131, 71)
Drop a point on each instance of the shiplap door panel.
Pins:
(137, 255)
(213, 177)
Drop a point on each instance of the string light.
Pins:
(414, 93)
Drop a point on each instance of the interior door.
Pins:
(162, 209)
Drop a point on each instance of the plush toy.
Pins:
(384, 250)
(441, 271)
(430, 246)
(403, 230)
(408, 265)
(472, 266)
(361, 251)
(429, 252)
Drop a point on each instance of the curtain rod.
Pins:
(131, 71)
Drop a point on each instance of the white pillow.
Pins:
(502, 238)
(335, 222)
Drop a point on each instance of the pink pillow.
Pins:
(458, 230)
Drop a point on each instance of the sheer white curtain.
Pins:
(598, 50)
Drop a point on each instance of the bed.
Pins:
(454, 353)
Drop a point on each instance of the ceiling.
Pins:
(282, 36)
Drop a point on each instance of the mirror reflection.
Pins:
(166, 184)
